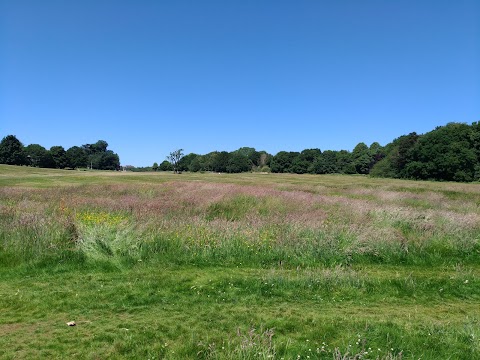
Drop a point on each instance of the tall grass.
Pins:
(212, 224)
(205, 223)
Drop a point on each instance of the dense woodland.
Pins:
(94, 156)
(448, 153)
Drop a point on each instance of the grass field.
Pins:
(246, 266)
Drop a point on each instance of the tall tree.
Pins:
(100, 158)
(59, 157)
(307, 159)
(185, 161)
(220, 161)
(238, 163)
(326, 163)
(377, 153)
(250, 153)
(403, 152)
(99, 147)
(446, 153)
(345, 162)
(12, 152)
(396, 156)
(108, 160)
(174, 159)
(282, 162)
(76, 157)
(38, 156)
(361, 158)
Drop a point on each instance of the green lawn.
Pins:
(248, 266)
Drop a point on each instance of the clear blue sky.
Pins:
(150, 77)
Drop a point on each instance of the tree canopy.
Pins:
(449, 152)
(174, 158)
(96, 155)
(12, 152)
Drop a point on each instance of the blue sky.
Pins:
(150, 77)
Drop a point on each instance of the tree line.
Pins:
(309, 161)
(447, 153)
(94, 156)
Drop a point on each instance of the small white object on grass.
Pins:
(71, 323)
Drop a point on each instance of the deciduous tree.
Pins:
(165, 166)
(174, 159)
(76, 157)
(38, 156)
(59, 157)
(11, 151)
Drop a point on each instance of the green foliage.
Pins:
(254, 158)
(238, 163)
(377, 152)
(174, 158)
(99, 147)
(283, 162)
(361, 158)
(475, 138)
(449, 153)
(446, 153)
(303, 163)
(197, 164)
(185, 162)
(326, 163)
(241, 160)
(97, 155)
(220, 161)
(165, 166)
(99, 158)
(77, 157)
(246, 151)
(384, 168)
(107, 160)
(345, 162)
(38, 156)
(398, 154)
(59, 157)
(11, 151)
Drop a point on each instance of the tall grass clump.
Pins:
(107, 238)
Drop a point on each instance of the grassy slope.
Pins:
(176, 292)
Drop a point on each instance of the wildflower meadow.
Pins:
(237, 266)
